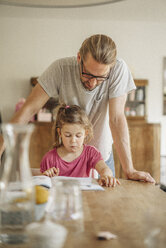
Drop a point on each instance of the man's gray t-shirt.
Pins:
(62, 81)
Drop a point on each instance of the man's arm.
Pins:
(33, 104)
(120, 134)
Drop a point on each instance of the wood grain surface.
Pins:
(134, 211)
(41, 142)
(145, 149)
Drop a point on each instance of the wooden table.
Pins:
(145, 148)
(132, 211)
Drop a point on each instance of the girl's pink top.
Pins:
(79, 167)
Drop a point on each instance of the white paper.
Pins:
(42, 180)
(86, 183)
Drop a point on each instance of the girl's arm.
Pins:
(106, 176)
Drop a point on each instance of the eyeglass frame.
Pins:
(84, 74)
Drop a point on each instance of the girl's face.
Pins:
(73, 136)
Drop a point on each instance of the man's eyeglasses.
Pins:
(89, 76)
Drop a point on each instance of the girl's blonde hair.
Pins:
(72, 115)
(101, 47)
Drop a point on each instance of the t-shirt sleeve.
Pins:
(47, 162)
(121, 80)
(51, 79)
(94, 157)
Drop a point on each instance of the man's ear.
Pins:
(78, 57)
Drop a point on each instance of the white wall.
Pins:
(31, 38)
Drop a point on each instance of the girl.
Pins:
(71, 156)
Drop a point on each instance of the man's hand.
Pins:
(140, 176)
(52, 172)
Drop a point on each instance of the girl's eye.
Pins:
(78, 136)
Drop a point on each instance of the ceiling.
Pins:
(56, 3)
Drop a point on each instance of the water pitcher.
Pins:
(17, 195)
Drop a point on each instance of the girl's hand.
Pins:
(52, 172)
(108, 181)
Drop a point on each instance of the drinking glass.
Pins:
(154, 232)
(46, 233)
(67, 205)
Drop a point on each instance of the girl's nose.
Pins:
(73, 138)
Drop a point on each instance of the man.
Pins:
(99, 83)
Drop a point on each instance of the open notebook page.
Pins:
(86, 183)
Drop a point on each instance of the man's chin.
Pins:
(89, 88)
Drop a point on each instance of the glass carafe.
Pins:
(17, 194)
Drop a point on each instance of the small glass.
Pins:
(67, 205)
(46, 234)
(154, 228)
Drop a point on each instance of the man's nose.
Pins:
(93, 82)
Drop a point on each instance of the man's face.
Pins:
(92, 73)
